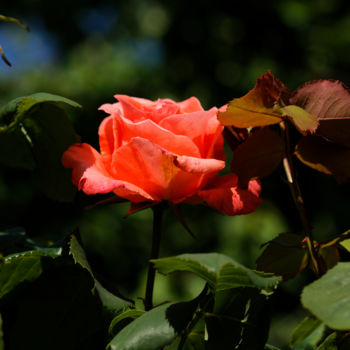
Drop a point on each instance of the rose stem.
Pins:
(298, 198)
(157, 229)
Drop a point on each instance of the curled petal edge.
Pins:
(90, 175)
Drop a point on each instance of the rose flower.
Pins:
(152, 151)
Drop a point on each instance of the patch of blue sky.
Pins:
(26, 50)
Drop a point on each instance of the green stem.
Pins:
(298, 199)
(157, 230)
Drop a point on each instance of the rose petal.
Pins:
(111, 108)
(91, 176)
(150, 167)
(107, 139)
(164, 138)
(202, 128)
(190, 105)
(199, 165)
(138, 109)
(224, 195)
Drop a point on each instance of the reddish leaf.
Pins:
(258, 156)
(234, 136)
(286, 256)
(325, 156)
(329, 101)
(257, 107)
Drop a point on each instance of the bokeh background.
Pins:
(213, 50)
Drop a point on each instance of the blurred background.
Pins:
(176, 49)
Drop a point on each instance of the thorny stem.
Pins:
(157, 230)
(298, 199)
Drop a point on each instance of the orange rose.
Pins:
(160, 150)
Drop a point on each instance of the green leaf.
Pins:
(239, 320)
(16, 151)
(234, 276)
(24, 103)
(303, 120)
(35, 133)
(154, 329)
(285, 256)
(123, 319)
(219, 271)
(346, 244)
(307, 334)
(271, 347)
(258, 156)
(195, 338)
(328, 297)
(21, 267)
(51, 133)
(110, 302)
(330, 343)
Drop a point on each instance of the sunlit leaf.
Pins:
(328, 298)
(285, 256)
(324, 156)
(346, 244)
(307, 334)
(123, 319)
(154, 329)
(257, 107)
(258, 156)
(303, 120)
(219, 271)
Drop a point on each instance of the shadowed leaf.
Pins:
(110, 302)
(258, 156)
(307, 334)
(23, 266)
(285, 256)
(324, 156)
(35, 132)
